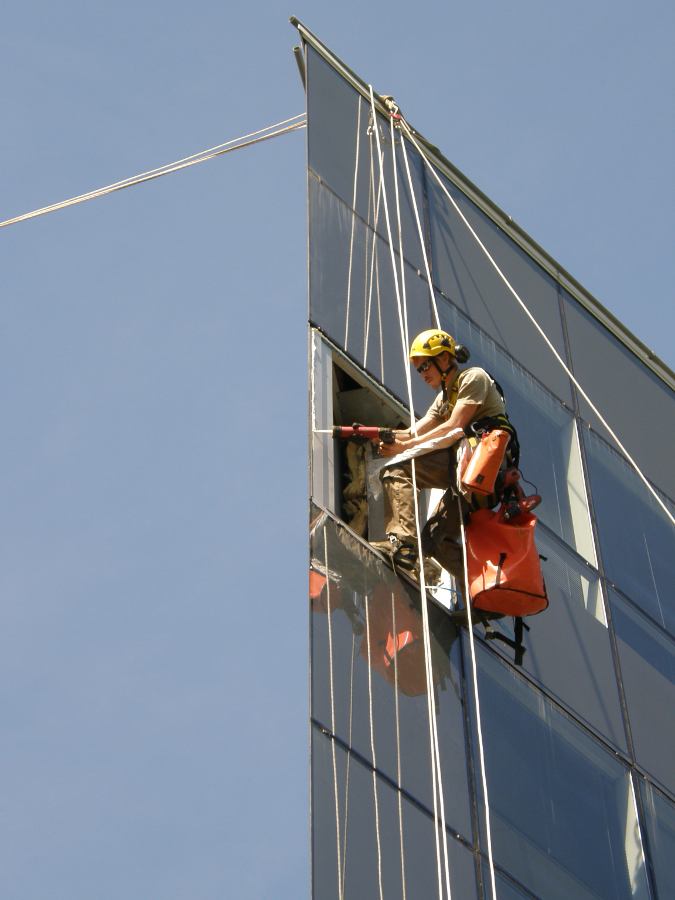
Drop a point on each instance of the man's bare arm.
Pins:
(463, 413)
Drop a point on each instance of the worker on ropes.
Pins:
(467, 398)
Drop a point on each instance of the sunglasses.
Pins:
(424, 366)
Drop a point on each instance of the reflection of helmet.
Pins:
(433, 342)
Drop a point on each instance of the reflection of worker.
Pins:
(466, 397)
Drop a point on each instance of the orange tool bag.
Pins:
(503, 563)
(486, 460)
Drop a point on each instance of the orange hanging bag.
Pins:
(504, 567)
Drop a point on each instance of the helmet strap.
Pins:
(444, 376)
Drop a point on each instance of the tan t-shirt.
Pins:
(475, 386)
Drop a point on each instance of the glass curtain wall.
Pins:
(579, 748)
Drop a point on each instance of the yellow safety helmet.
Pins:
(431, 343)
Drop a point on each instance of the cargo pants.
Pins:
(441, 537)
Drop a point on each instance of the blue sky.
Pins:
(153, 637)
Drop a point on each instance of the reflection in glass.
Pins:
(660, 820)
(647, 659)
(343, 152)
(562, 808)
(639, 407)
(467, 278)
(353, 294)
(366, 831)
(568, 647)
(367, 600)
(636, 539)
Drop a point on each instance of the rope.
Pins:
(372, 751)
(374, 260)
(332, 719)
(436, 748)
(433, 735)
(479, 727)
(351, 237)
(427, 268)
(374, 207)
(256, 137)
(538, 327)
(349, 756)
(467, 601)
(398, 747)
(471, 637)
(406, 335)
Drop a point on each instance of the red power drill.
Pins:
(364, 433)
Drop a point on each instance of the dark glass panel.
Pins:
(562, 808)
(353, 295)
(647, 659)
(660, 816)
(467, 278)
(343, 152)
(636, 403)
(372, 827)
(637, 541)
(366, 598)
(568, 647)
(506, 888)
(550, 455)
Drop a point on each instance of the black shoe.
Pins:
(400, 553)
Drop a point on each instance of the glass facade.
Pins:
(579, 741)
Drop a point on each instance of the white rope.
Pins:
(247, 140)
(398, 747)
(372, 752)
(427, 268)
(406, 336)
(349, 757)
(332, 720)
(538, 327)
(479, 727)
(379, 314)
(433, 735)
(406, 344)
(351, 238)
(374, 259)
(368, 299)
(467, 600)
